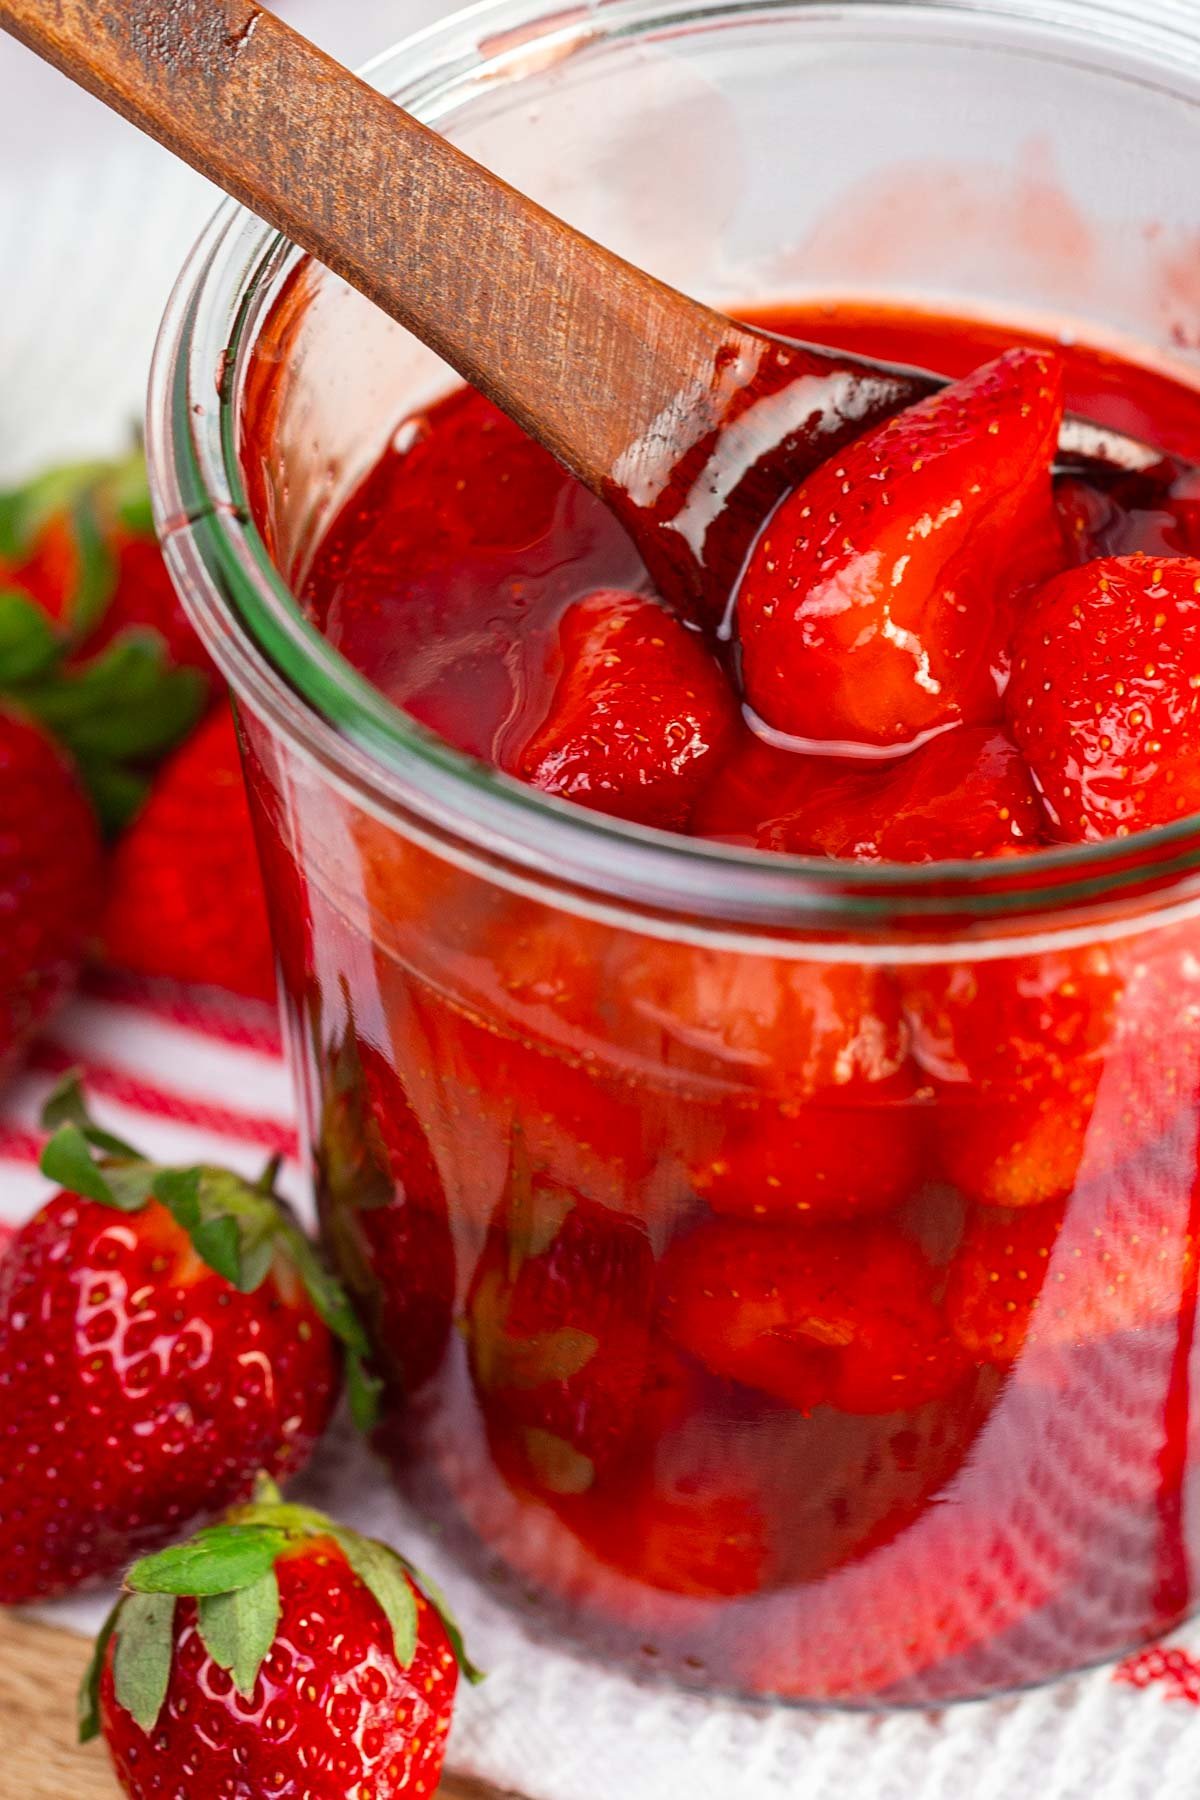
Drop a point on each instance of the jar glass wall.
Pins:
(784, 1271)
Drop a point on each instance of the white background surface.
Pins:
(94, 224)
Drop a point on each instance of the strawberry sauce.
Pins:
(816, 1328)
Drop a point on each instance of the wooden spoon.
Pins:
(690, 426)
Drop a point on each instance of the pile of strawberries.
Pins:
(171, 1343)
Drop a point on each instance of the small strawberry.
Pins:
(558, 1320)
(875, 604)
(276, 1653)
(835, 1314)
(186, 896)
(79, 540)
(640, 716)
(164, 1333)
(965, 794)
(1104, 699)
(383, 1212)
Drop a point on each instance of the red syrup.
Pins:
(814, 1329)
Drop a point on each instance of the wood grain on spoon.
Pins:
(626, 380)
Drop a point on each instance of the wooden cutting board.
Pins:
(40, 1668)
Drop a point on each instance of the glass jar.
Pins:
(784, 1272)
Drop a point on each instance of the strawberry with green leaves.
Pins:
(79, 541)
(276, 1653)
(164, 1335)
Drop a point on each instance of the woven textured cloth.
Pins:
(93, 226)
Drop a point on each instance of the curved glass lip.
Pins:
(288, 673)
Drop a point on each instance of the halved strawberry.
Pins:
(836, 1314)
(875, 605)
(1104, 699)
(640, 715)
(966, 794)
(557, 1322)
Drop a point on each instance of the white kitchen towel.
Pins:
(93, 226)
(189, 1075)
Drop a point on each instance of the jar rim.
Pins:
(280, 665)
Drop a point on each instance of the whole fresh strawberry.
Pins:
(186, 896)
(1104, 700)
(640, 717)
(79, 541)
(276, 1654)
(876, 604)
(164, 1334)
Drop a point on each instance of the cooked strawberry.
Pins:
(836, 1314)
(739, 1496)
(383, 1212)
(1016, 1020)
(756, 782)
(640, 715)
(1052, 1068)
(1104, 699)
(876, 604)
(1122, 1257)
(686, 1516)
(278, 1652)
(80, 541)
(966, 794)
(186, 896)
(558, 1326)
(814, 1160)
(51, 879)
(499, 1109)
(164, 1334)
(793, 1028)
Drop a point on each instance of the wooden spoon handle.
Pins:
(588, 353)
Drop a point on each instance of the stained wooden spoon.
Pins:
(688, 424)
